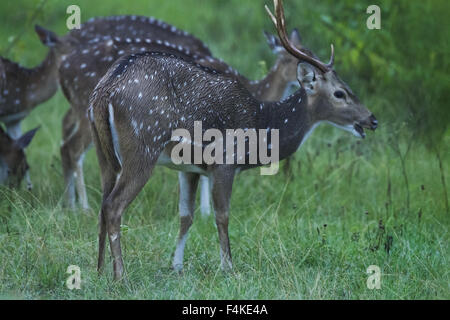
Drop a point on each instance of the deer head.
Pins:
(13, 163)
(329, 98)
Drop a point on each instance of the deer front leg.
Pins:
(223, 177)
(188, 187)
(72, 156)
(205, 191)
(14, 130)
(80, 185)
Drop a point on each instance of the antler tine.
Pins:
(279, 22)
(274, 20)
(331, 62)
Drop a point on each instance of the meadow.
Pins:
(309, 232)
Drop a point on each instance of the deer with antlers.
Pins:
(86, 63)
(133, 115)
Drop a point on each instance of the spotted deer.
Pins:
(22, 89)
(133, 115)
(85, 64)
(92, 50)
(79, 74)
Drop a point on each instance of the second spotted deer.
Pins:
(134, 113)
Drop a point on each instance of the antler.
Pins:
(279, 22)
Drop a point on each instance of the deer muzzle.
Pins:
(370, 123)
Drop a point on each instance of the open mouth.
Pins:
(360, 130)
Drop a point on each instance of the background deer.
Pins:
(133, 115)
(79, 75)
(22, 89)
(26, 88)
(85, 64)
(93, 49)
(13, 163)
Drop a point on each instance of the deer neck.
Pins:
(41, 82)
(292, 117)
(272, 87)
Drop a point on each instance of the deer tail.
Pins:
(101, 115)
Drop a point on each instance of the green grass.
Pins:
(308, 235)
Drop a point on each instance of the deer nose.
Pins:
(373, 122)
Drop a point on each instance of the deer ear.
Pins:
(47, 37)
(295, 37)
(273, 42)
(306, 76)
(25, 140)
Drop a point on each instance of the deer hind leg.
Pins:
(70, 126)
(130, 182)
(223, 177)
(205, 192)
(109, 177)
(72, 154)
(188, 189)
(80, 184)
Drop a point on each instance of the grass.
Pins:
(310, 234)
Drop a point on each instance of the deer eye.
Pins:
(339, 94)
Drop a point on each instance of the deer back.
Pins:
(13, 94)
(131, 28)
(153, 93)
(86, 64)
